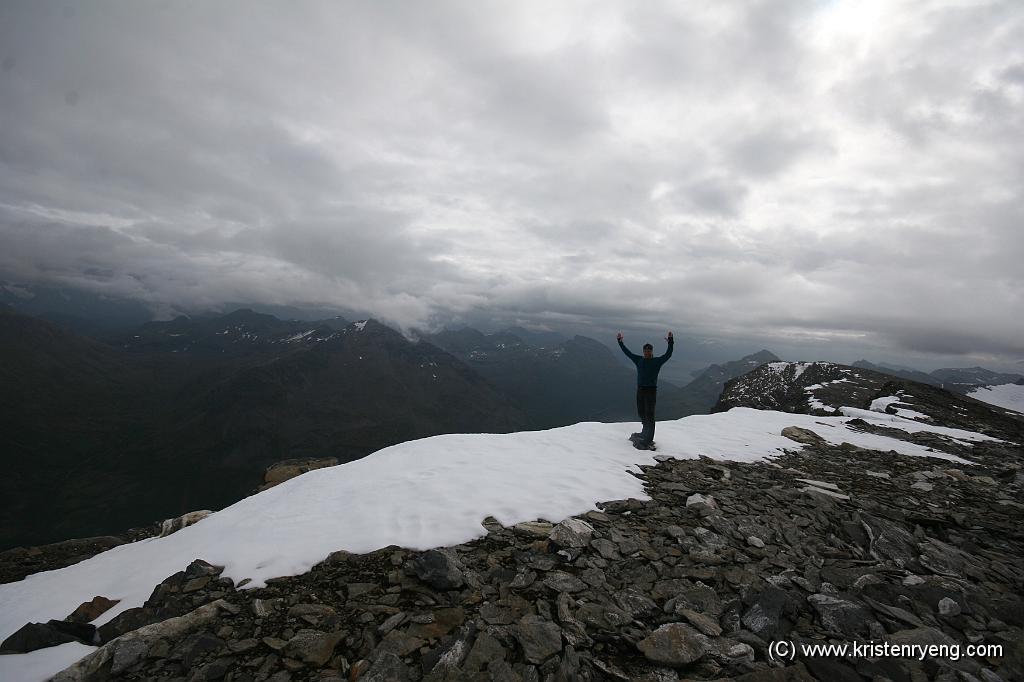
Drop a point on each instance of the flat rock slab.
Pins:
(673, 644)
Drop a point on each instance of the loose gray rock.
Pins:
(606, 548)
(764, 617)
(486, 649)
(539, 638)
(840, 616)
(313, 646)
(706, 624)
(438, 570)
(702, 503)
(316, 611)
(949, 607)
(560, 581)
(890, 541)
(572, 534)
(400, 643)
(537, 530)
(388, 668)
(673, 644)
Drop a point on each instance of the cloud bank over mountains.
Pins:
(803, 171)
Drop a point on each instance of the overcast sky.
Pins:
(843, 173)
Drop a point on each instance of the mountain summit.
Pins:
(567, 554)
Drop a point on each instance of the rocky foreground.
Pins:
(824, 544)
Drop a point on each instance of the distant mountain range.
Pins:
(959, 380)
(124, 428)
(186, 414)
(557, 383)
(701, 394)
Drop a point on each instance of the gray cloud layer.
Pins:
(800, 171)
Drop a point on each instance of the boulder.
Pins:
(805, 436)
(91, 610)
(169, 526)
(290, 468)
(131, 648)
(572, 534)
(35, 636)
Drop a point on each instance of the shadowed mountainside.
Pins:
(100, 439)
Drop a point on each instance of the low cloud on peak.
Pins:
(800, 170)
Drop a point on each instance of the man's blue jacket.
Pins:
(647, 370)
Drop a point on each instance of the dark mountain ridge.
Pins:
(966, 379)
(100, 438)
(827, 388)
(576, 380)
(701, 394)
(956, 379)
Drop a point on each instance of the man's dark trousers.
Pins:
(646, 397)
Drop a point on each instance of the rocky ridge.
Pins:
(826, 388)
(691, 584)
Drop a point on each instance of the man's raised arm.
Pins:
(632, 356)
(671, 344)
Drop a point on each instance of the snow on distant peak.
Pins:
(798, 367)
(1007, 396)
(298, 337)
(360, 325)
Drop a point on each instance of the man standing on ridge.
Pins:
(647, 368)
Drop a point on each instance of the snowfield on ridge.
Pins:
(419, 494)
(1008, 396)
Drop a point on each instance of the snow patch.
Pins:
(1007, 396)
(911, 426)
(911, 414)
(798, 367)
(299, 336)
(42, 664)
(879, 404)
(884, 403)
(360, 325)
(814, 402)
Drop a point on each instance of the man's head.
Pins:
(648, 350)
